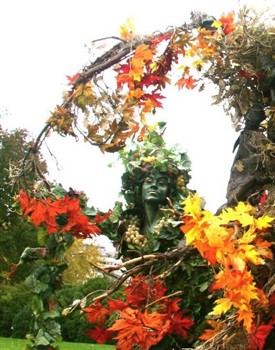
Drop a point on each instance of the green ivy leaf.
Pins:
(42, 236)
(41, 339)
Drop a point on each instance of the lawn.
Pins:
(19, 344)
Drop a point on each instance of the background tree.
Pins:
(81, 258)
(15, 232)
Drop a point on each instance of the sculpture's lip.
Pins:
(152, 192)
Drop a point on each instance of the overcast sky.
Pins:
(42, 41)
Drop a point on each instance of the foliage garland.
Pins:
(237, 55)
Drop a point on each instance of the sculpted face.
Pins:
(155, 188)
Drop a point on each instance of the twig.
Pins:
(164, 297)
(152, 259)
(121, 280)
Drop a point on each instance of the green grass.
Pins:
(19, 344)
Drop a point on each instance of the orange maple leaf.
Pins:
(189, 82)
(137, 328)
(144, 52)
(245, 315)
(216, 327)
(227, 21)
(96, 313)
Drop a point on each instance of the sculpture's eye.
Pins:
(162, 182)
(148, 180)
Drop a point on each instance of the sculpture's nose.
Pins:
(154, 184)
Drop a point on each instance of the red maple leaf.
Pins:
(116, 304)
(258, 336)
(123, 75)
(96, 313)
(73, 79)
(271, 301)
(100, 335)
(151, 80)
(155, 97)
(180, 325)
(39, 212)
(160, 38)
(142, 291)
(46, 211)
(248, 75)
(99, 218)
(172, 305)
(263, 197)
(24, 200)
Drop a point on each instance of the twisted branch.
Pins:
(179, 253)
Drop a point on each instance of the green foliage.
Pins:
(17, 303)
(15, 232)
(43, 283)
(13, 301)
(75, 323)
(13, 241)
(21, 322)
(13, 147)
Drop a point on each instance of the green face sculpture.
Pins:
(155, 188)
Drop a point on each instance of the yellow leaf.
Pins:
(263, 222)
(216, 235)
(148, 106)
(150, 159)
(198, 63)
(240, 213)
(247, 237)
(138, 93)
(136, 71)
(253, 255)
(192, 235)
(193, 205)
(216, 24)
(223, 305)
(238, 263)
(83, 95)
(127, 29)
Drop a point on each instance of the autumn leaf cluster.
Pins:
(142, 319)
(224, 54)
(58, 215)
(234, 244)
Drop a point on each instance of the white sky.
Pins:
(42, 41)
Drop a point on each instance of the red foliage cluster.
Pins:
(59, 215)
(144, 318)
